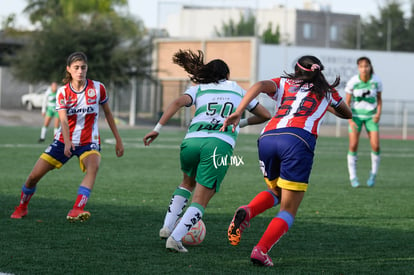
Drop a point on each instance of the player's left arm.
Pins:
(119, 147)
(177, 104)
(377, 116)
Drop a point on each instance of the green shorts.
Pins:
(51, 112)
(369, 123)
(206, 159)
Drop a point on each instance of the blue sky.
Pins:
(151, 11)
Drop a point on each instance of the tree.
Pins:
(270, 37)
(390, 31)
(245, 27)
(113, 44)
(44, 11)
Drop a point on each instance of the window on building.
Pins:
(307, 31)
(333, 33)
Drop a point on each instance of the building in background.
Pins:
(314, 25)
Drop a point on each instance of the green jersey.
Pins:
(49, 101)
(214, 102)
(364, 95)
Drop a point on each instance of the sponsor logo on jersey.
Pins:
(73, 111)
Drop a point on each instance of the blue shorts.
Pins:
(286, 158)
(54, 154)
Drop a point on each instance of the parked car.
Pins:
(34, 100)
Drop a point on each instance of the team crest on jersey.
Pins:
(91, 99)
(91, 93)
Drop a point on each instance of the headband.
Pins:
(312, 69)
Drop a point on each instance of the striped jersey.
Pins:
(214, 102)
(364, 95)
(298, 107)
(49, 100)
(82, 109)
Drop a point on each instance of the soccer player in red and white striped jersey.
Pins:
(78, 104)
(286, 148)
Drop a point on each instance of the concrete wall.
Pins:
(239, 54)
(394, 68)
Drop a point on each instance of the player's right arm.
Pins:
(261, 114)
(63, 118)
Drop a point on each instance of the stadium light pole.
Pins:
(358, 34)
(1, 83)
(389, 30)
(133, 99)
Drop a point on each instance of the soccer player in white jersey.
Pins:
(286, 148)
(49, 111)
(214, 97)
(363, 95)
(78, 104)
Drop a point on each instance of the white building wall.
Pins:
(394, 68)
(278, 16)
(202, 22)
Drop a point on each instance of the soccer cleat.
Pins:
(77, 214)
(165, 232)
(174, 246)
(41, 140)
(371, 180)
(241, 221)
(19, 212)
(355, 182)
(258, 257)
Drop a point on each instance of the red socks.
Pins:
(82, 198)
(263, 201)
(24, 199)
(275, 230)
(81, 201)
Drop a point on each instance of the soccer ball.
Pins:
(195, 235)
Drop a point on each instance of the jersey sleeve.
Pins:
(192, 92)
(379, 85)
(277, 85)
(349, 87)
(336, 99)
(61, 99)
(102, 94)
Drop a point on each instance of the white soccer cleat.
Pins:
(175, 246)
(165, 232)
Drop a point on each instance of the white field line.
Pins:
(175, 144)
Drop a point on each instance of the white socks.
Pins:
(375, 161)
(177, 204)
(352, 164)
(193, 214)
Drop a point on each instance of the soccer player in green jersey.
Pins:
(363, 95)
(205, 151)
(49, 111)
